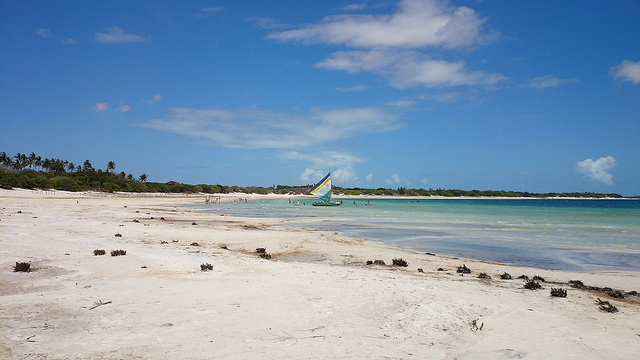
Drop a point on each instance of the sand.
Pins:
(314, 299)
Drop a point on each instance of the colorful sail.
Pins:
(322, 189)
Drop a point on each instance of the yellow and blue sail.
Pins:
(322, 189)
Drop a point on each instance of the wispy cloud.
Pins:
(547, 81)
(124, 108)
(353, 88)
(48, 34)
(406, 69)
(266, 23)
(155, 99)
(598, 170)
(627, 71)
(44, 33)
(206, 12)
(394, 46)
(258, 129)
(395, 179)
(117, 35)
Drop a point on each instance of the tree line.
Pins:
(33, 172)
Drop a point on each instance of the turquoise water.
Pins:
(546, 233)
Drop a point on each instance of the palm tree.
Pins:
(71, 167)
(111, 166)
(143, 177)
(32, 160)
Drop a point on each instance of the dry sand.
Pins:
(315, 299)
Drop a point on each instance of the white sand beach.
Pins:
(314, 299)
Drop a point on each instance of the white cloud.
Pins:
(547, 81)
(117, 35)
(393, 45)
(69, 41)
(124, 108)
(257, 129)
(101, 107)
(627, 71)
(597, 170)
(409, 68)
(369, 177)
(416, 24)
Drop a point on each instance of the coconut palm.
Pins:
(111, 166)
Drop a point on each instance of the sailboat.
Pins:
(322, 190)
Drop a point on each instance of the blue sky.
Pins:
(535, 96)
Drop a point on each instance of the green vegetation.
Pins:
(33, 172)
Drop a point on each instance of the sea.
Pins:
(562, 234)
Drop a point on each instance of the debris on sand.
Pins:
(505, 276)
(400, 262)
(261, 250)
(484, 276)
(607, 290)
(22, 267)
(97, 252)
(205, 267)
(474, 325)
(118, 252)
(606, 306)
(538, 278)
(194, 244)
(532, 285)
(378, 262)
(463, 269)
(265, 255)
(558, 292)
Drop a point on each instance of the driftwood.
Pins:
(99, 303)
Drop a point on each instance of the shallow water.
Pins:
(546, 233)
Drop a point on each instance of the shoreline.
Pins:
(315, 298)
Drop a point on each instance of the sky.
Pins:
(537, 96)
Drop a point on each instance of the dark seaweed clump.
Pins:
(400, 262)
(463, 269)
(22, 267)
(609, 291)
(558, 292)
(606, 306)
(484, 276)
(505, 276)
(118, 252)
(205, 267)
(532, 285)
(97, 252)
